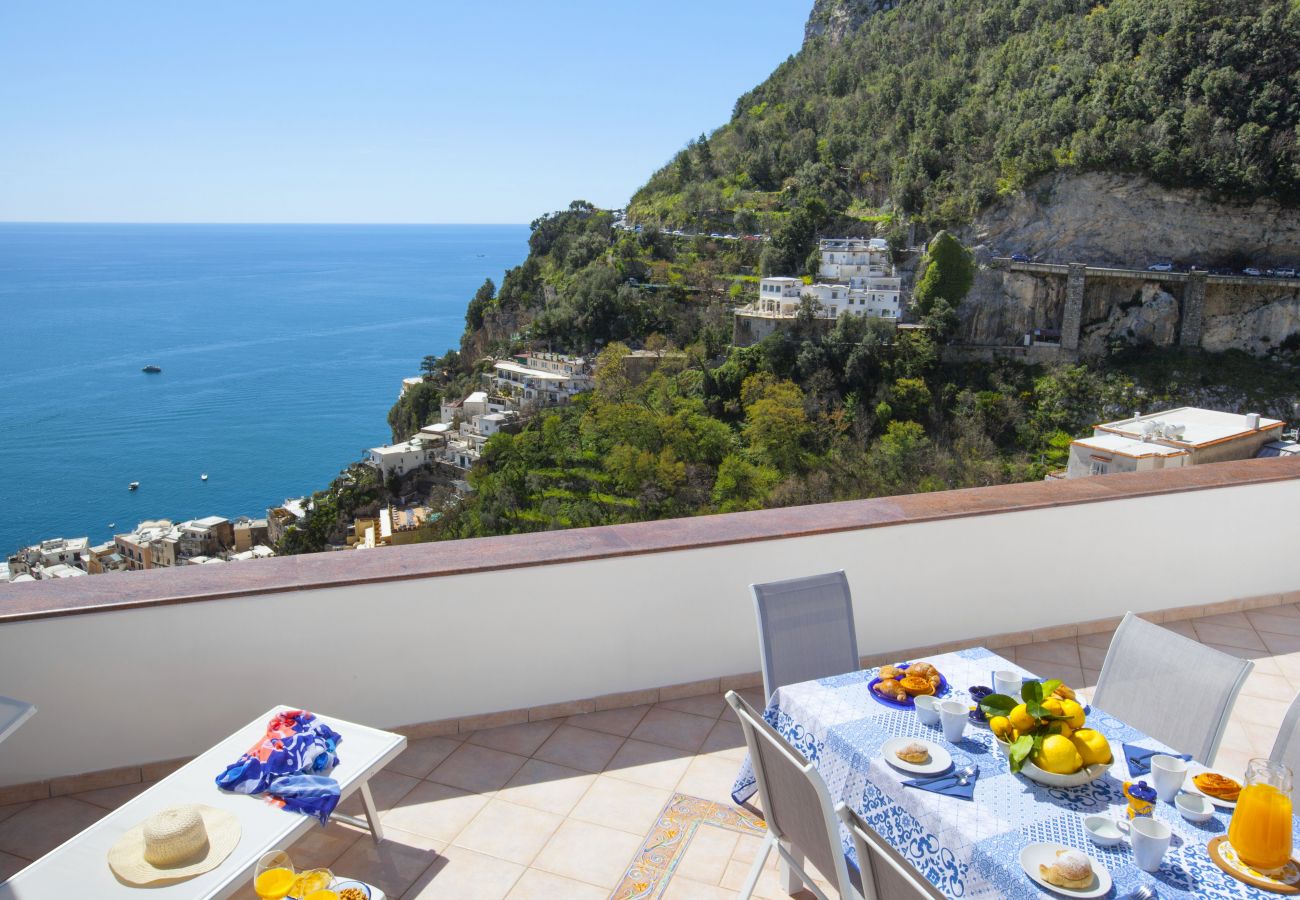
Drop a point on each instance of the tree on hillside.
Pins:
(478, 305)
(429, 367)
(949, 273)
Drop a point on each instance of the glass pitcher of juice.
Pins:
(1260, 830)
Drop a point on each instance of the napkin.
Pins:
(947, 784)
(1139, 758)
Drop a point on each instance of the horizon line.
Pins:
(161, 222)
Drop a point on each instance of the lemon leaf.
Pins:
(997, 704)
(1050, 686)
(1019, 751)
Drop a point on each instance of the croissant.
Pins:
(924, 669)
(891, 688)
(888, 673)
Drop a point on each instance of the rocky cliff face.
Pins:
(1121, 220)
(837, 18)
(1129, 222)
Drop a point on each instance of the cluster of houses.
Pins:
(153, 544)
(856, 277)
(515, 389)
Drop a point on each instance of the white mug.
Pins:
(1150, 839)
(1007, 682)
(953, 714)
(1168, 773)
(927, 709)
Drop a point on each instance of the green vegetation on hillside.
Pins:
(935, 108)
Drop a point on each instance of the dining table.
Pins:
(970, 848)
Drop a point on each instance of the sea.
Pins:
(282, 348)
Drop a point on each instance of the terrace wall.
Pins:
(128, 669)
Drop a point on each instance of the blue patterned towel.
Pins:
(289, 765)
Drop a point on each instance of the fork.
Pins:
(1142, 893)
(964, 776)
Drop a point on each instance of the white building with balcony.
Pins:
(402, 459)
(847, 258)
(525, 385)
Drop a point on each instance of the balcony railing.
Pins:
(157, 665)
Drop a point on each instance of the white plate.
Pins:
(1045, 854)
(940, 760)
(1190, 787)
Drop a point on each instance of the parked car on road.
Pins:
(1160, 267)
(1252, 272)
(1019, 257)
(1286, 272)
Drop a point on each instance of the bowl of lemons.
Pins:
(1045, 736)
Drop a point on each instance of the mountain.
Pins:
(936, 110)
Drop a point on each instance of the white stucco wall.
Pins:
(135, 686)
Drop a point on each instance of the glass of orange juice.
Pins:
(274, 876)
(1260, 830)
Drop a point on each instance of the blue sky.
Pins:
(433, 111)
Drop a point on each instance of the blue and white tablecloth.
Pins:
(972, 848)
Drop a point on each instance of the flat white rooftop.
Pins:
(524, 370)
(1203, 426)
(1119, 445)
(477, 397)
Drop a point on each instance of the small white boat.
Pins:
(203, 477)
(133, 486)
(112, 524)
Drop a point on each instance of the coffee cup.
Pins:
(1007, 682)
(927, 710)
(1150, 839)
(1167, 774)
(953, 715)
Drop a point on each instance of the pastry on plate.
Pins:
(916, 684)
(924, 669)
(1070, 869)
(891, 673)
(914, 752)
(891, 689)
(1217, 785)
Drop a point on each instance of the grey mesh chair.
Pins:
(805, 629)
(1147, 665)
(796, 805)
(1286, 747)
(885, 875)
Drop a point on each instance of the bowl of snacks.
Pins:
(352, 890)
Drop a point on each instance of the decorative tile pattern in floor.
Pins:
(656, 862)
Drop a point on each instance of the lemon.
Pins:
(1060, 727)
(1072, 709)
(1058, 756)
(1021, 720)
(1092, 746)
(1000, 726)
(1052, 707)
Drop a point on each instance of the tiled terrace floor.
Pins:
(558, 809)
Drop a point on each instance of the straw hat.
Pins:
(174, 844)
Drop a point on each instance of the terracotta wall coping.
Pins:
(190, 584)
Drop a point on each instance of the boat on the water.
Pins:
(133, 486)
(203, 477)
(152, 370)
